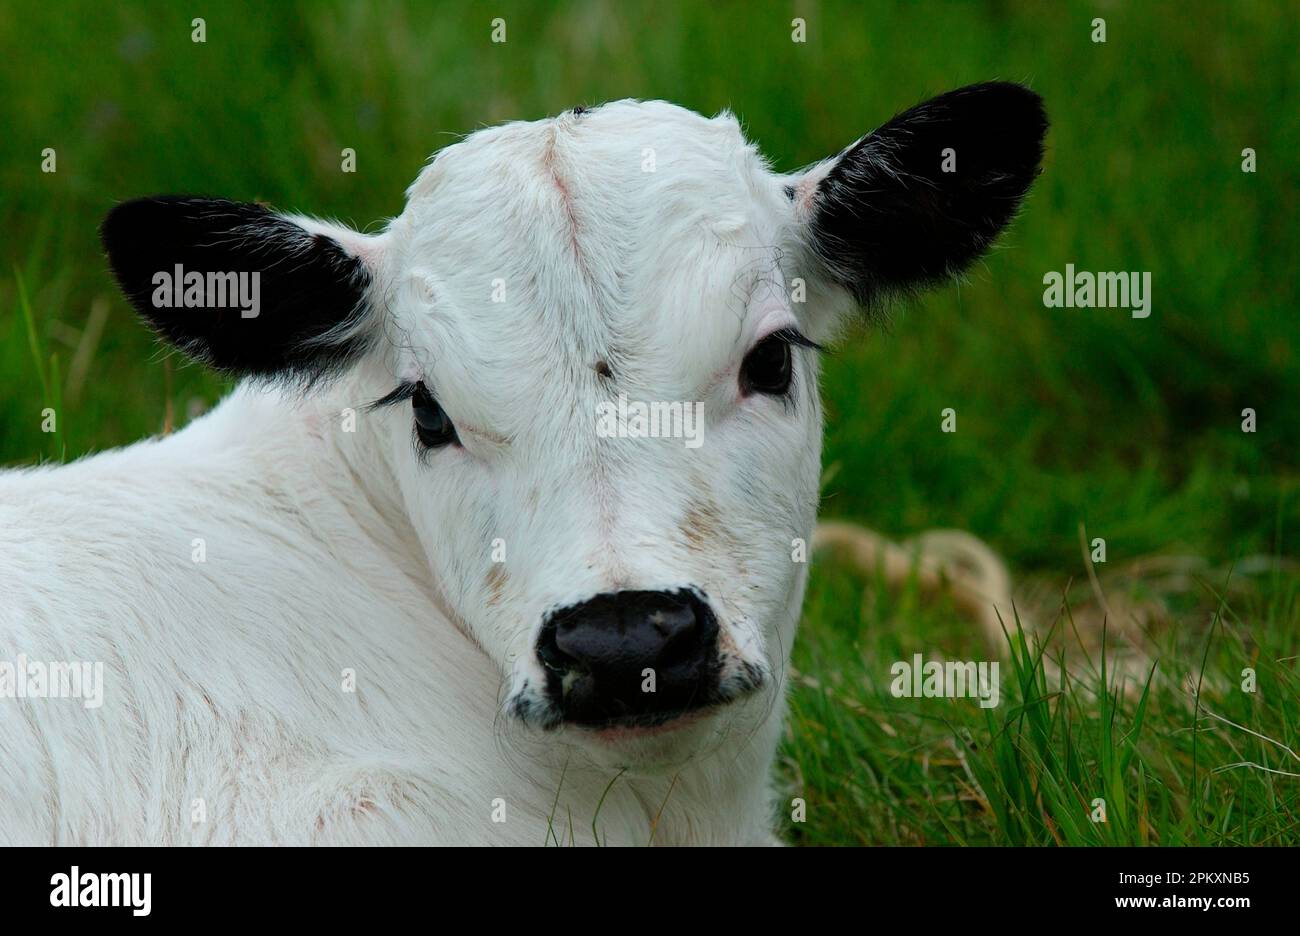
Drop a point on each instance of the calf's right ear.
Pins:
(246, 290)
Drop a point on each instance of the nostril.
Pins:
(548, 648)
(679, 637)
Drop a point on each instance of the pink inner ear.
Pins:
(368, 248)
(805, 190)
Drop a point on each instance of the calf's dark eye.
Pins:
(766, 369)
(433, 426)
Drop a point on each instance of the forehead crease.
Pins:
(513, 252)
(579, 269)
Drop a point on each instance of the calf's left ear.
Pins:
(246, 290)
(922, 197)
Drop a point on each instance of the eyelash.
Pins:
(403, 393)
(792, 336)
(406, 392)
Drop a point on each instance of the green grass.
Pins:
(1065, 416)
(875, 769)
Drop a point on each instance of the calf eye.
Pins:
(766, 369)
(433, 426)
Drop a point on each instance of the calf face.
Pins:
(597, 341)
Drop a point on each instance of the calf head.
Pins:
(593, 347)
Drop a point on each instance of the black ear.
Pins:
(241, 288)
(922, 197)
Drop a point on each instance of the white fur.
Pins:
(329, 550)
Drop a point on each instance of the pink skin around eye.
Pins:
(770, 311)
(777, 318)
(413, 375)
(774, 318)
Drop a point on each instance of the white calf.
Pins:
(438, 571)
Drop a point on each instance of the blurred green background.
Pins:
(1065, 416)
